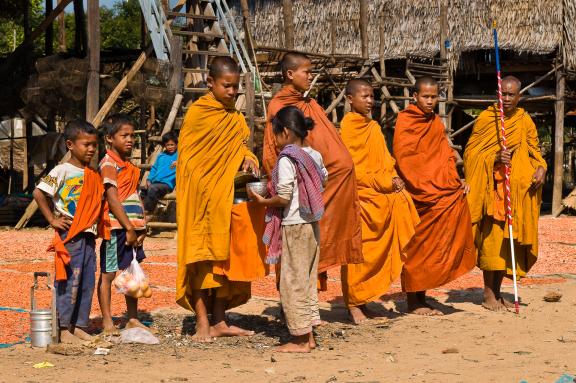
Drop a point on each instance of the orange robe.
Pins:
(388, 218)
(87, 213)
(340, 236)
(486, 198)
(212, 147)
(442, 248)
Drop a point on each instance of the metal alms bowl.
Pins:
(258, 187)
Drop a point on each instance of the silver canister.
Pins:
(43, 322)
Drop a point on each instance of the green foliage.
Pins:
(119, 27)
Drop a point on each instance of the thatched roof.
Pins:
(413, 27)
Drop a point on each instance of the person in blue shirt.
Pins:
(162, 177)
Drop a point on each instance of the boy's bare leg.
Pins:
(220, 327)
(202, 335)
(104, 299)
(357, 314)
(312, 341)
(491, 300)
(132, 313)
(299, 344)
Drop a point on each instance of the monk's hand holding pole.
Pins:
(398, 184)
(249, 164)
(503, 157)
(538, 178)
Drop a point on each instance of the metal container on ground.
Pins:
(43, 322)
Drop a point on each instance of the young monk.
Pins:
(442, 248)
(388, 214)
(484, 166)
(218, 250)
(340, 226)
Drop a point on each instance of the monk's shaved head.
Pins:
(221, 65)
(512, 80)
(426, 80)
(292, 61)
(354, 86)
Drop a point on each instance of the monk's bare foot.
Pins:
(133, 322)
(312, 341)
(222, 329)
(356, 315)
(493, 305)
(298, 344)
(82, 335)
(507, 304)
(435, 311)
(420, 309)
(202, 334)
(69, 338)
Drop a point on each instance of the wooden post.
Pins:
(176, 60)
(26, 20)
(49, 35)
(79, 28)
(443, 36)
(25, 169)
(250, 106)
(93, 88)
(364, 28)
(247, 25)
(558, 144)
(61, 32)
(288, 17)
(381, 52)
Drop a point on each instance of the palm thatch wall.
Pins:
(413, 27)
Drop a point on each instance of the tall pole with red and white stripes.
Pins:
(507, 199)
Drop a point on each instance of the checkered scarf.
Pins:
(311, 205)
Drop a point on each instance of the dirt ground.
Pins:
(468, 344)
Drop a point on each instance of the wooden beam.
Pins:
(558, 144)
(93, 87)
(49, 35)
(79, 28)
(61, 31)
(176, 60)
(247, 25)
(288, 21)
(364, 28)
(541, 78)
(333, 35)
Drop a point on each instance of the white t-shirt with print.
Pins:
(64, 184)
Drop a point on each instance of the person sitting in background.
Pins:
(162, 177)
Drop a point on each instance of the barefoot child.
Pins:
(387, 212)
(292, 230)
(124, 227)
(75, 191)
(162, 177)
(212, 149)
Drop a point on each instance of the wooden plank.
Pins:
(205, 35)
(192, 16)
(288, 21)
(205, 53)
(79, 27)
(558, 144)
(162, 225)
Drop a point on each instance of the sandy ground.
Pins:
(468, 344)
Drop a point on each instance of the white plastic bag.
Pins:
(138, 335)
(133, 281)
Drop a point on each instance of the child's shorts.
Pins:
(116, 255)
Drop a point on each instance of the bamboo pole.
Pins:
(49, 35)
(250, 97)
(558, 144)
(381, 52)
(61, 31)
(93, 87)
(288, 20)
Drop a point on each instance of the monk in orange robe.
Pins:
(484, 166)
(442, 248)
(340, 236)
(387, 211)
(218, 243)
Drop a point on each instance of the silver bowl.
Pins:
(258, 187)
